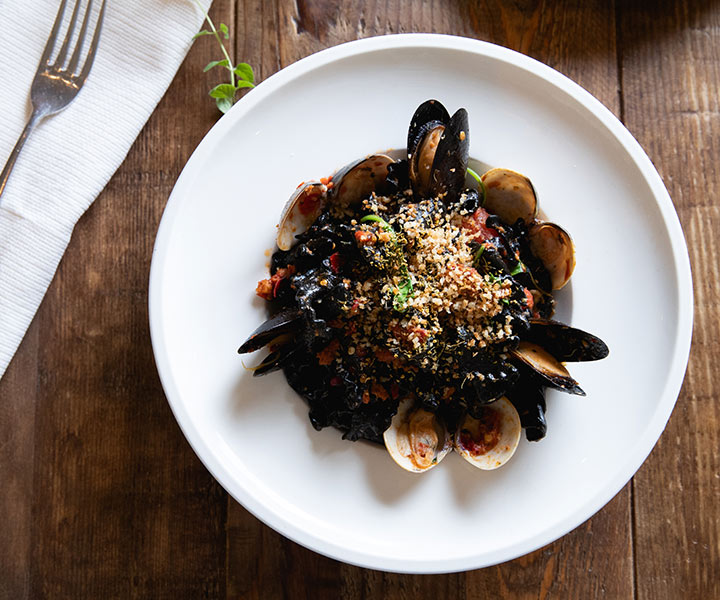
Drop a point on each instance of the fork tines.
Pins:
(74, 42)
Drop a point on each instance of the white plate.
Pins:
(631, 287)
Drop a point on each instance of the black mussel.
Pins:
(429, 115)
(451, 157)
(438, 147)
(547, 366)
(565, 343)
(285, 322)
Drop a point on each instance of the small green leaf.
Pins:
(202, 33)
(244, 71)
(223, 90)
(224, 104)
(382, 222)
(519, 268)
(244, 84)
(224, 29)
(214, 63)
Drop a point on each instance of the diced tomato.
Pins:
(366, 397)
(476, 224)
(336, 262)
(310, 202)
(394, 390)
(529, 299)
(335, 381)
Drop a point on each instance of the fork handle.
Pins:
(5, 175)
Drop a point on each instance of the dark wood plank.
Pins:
(672, 107)
(577, 38)
(18, 403)
(121, 507)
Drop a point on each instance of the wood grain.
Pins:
(101, 497)
(672, 107)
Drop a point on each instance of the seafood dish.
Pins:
(410, 302)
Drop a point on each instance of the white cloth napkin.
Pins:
(70, 157)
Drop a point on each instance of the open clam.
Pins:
(416, 439)
(348, 185)
(489, 442)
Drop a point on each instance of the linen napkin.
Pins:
(70, 157)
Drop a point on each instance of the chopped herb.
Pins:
(519, 268)
(405, 286)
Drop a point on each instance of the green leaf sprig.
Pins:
(405, 285)
(241, 75)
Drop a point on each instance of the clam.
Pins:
(359, 179)
(347, 186)
(416, 439)
(510, 195)
(438, 147)
(547, 366)
(554, 247)
(301, 211)
(489, 442)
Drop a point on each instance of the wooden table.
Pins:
(100, 494)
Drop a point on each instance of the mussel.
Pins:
(483, 420)
(417, 440)
(490, 441)
(438, 147)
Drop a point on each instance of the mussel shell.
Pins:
(359, 179)
(489, 443)
(416, 440)
(428, 115)
(287, 321)
(554, 247)
(423, 159)
(451, 158)
(547, 366)
(301, 210)
(510, 196)
(565, 343)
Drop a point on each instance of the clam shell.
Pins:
(510, 196)
(416, 439)
(489, 443)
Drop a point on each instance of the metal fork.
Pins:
(56, 85)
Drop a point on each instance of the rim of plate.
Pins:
(640, 450)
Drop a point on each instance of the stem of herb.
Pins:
(231, 67)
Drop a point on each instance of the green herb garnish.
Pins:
(481, 185)
(405, 286)
(477, 255)
(241, 76)
(519, 268)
